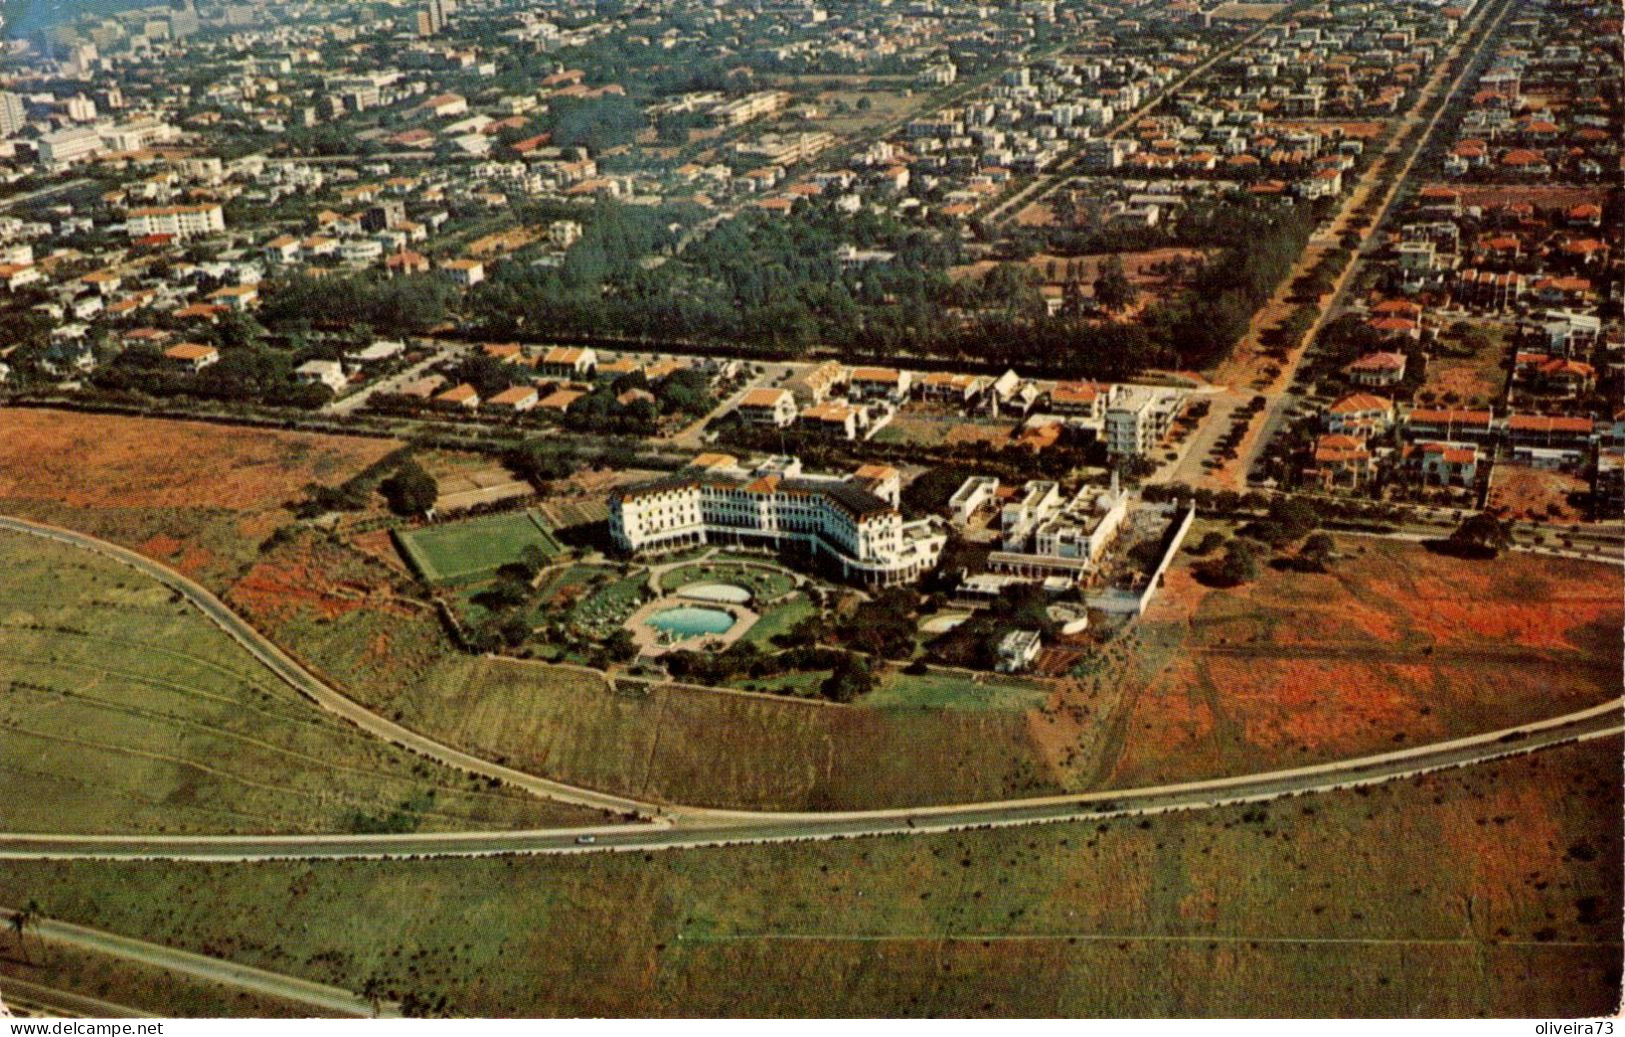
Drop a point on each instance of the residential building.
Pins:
(191, 356)
(1340, 460)
(321, 372)
(569, 362)
(459, 397)
(1378, 370)
(13, 117)
(1138, 417)
(878, 383)
(1446, 464)
(465, 272)
(775, 408)
(180, 222)
(517, 399)
(1359, 414)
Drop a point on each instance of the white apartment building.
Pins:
(1138, 416)
(1038, 501)
(840, 520)
(13, 116)
(75, 144)
(321, 372)
(180, 221)
(752, 106)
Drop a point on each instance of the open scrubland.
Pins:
(198, 496)
(1393, 646)
(124, 709)
(1489, 891)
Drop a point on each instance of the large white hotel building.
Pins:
(850, 522)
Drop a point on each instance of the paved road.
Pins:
(243, 977)
(1281, 400)
(21, 995)
(44, 192)
(734, 828)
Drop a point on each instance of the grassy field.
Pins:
(567, 723)
(941, 690)
(1393, 646)
(474, 548)
(125, 710)
(1460, 376)
(1492, 891)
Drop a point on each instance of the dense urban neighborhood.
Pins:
(803, 445)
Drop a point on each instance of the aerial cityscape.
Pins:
(812, 508)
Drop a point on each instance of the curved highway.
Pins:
(684, 826)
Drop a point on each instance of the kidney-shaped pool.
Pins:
(691, 621)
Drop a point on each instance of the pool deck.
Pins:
(648, 640)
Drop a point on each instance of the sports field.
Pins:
(459, 551)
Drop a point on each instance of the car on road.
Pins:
(586, 840)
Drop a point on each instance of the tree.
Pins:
(849, 679)
(373, 991)
(21, 922)
(1482, 534)
(1239, 564)
(1317, 552)
(1113, 289)
(621, 646)
(411, 490)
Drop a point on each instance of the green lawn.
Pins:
(779, 619)
(123, 709)
(943, 690)
(764, 584)
(458, 551)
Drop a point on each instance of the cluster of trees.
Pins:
(393, 306)
(595, 123)
(850, 675)
(247, 373)
(354, 493)
(1288, 522)
(974, 643)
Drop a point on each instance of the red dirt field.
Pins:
(318, 579)
(200, 496)
(1394, 646)
(108, 461)
(1539, 195)
(1522, 493)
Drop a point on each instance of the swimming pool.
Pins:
(685, 621)
(729, 593)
